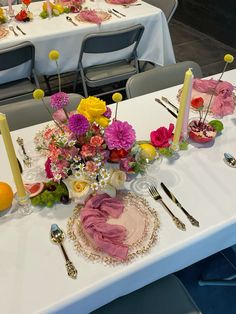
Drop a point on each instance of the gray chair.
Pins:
(108, 42)
(165, 296)
(160, 78)
(167, 6)
(30, 112)
(19, 88)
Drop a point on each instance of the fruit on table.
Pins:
(148, 151)
(53, 192)
(34, 188)
(6, 196)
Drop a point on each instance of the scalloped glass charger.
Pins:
(139, 219)
(121, 2)
(3, 32)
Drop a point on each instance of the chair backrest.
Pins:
(105, 42)
(17, 55)
(160, 78)
(30, 112)
(167, 6)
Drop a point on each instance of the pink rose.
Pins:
(96, 140)
(160, 138)
(60, 115)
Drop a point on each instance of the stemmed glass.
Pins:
(140, 184)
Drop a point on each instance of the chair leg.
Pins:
(84, 83)
(48, 84)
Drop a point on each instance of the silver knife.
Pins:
(193, 221)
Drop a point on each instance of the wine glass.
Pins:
(140, 185)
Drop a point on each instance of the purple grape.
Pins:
(64, 199)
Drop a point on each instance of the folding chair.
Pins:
(164, 296)
(109, 72)
(18, 62)
(30, 112)
(167, 6)
(160, 78)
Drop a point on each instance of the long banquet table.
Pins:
(32, 271)
(58, 33)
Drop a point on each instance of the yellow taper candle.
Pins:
(182, 107)
(11, 156)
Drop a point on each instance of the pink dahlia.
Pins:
(59, 100)
(119, 135)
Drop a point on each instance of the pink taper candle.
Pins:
(10, 9)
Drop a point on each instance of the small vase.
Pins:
(201, 132)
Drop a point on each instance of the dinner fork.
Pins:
(157, 197)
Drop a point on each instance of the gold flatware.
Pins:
(131, 5)
(71, 21)
(170, 103)
(19, 29)
(26, 159)
(13, 30)
(230, 160)
(58, 236)
(157, 197)
(170, 111)
(118, 12)
(193, 221)
(110, 11)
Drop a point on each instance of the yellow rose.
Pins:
(79, 189)
(117, 179)
(54, 55)
(92, 107)
(102, 121)
(116, 97)
(228, 58)
(38, 94)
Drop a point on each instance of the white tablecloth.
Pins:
(57, 33)
(32, 271)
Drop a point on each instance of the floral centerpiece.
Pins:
(81, 146)
(219, 100)
(24, 15)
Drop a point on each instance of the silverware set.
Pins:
(168, 109)
(116, 13)
(157, 197)
(12, 29)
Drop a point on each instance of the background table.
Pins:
(32, 271)
(57, 33)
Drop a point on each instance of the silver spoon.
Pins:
(70, 20)
(230, 160)
(58, 236)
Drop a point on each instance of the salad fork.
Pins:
(110, 11)
(157, 197)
